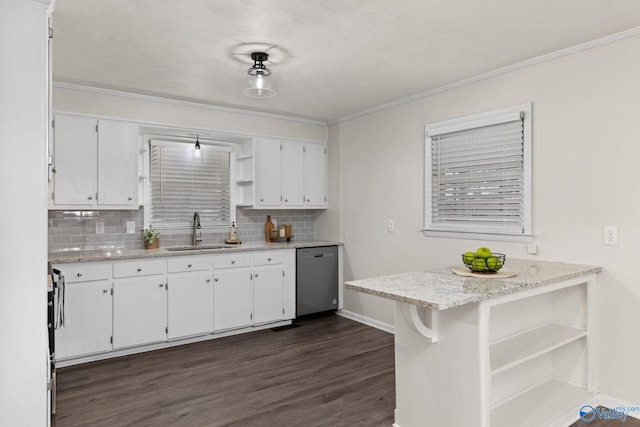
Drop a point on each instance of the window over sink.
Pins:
(183, 180)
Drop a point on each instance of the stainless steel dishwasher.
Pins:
(316, 280)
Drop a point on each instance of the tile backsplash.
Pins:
(76, 230)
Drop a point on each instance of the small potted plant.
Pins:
(151, 238)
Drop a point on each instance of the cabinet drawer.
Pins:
(267, 258)
(84, 272)
(231, 260)
(139, 268)
(191, 263)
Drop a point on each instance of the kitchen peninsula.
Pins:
(491, 352)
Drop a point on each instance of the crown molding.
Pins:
(494, 73)
(181, 103)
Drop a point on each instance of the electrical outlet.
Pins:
(131, 227)
(391, 226)
(610, 235)
(100, 227)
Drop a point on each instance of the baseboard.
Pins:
(366, 320)
(613, 403)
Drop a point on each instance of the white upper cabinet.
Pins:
(267, 174)
(315, 167)
(75, 153)
(290, 174)
(117, 164)
(95, 164)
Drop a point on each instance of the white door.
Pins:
(315, 175)
(267, 173)
(292, 174)
(75, 161)
(87, 326)
(268, 293)
(118, 164)
(231, 298)
(139, 311)
(189, 305)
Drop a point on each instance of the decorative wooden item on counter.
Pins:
(268, 226)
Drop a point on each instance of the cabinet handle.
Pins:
(189, 265)
(308, 200)
(286, 200)
(233, 261)
(129, 198)
(139, 269)
(255, 275)
(90, 197)
(208, 280)
(262, 200)
(215, 280)
(161, 285)
(269, 259)
(104, 291)
(79, 274)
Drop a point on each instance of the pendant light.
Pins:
(197, 146)
(259, 84)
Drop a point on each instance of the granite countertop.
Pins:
(111, 254)
(440, 289)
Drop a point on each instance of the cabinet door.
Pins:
(267, 173)
(75, 154)
(139, 311)
(189, 305)
(231, 298)
(268, 294)
(87, 326)
(315, 167)
(117, 164)
(292, 174)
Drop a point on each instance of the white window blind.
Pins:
(478, 175)
(182, 183)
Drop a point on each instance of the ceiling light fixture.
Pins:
(259, 84)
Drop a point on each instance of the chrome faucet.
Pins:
(197, 235)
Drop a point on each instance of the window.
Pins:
(478, 176)
(182, 181)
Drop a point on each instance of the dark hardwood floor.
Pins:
(329, 371)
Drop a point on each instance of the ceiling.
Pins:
(330, 58)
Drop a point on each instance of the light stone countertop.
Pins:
(111, 254)
(441, 289)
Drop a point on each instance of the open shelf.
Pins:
(510, 352)
(540, 405)
(244, 181)
(244, 157)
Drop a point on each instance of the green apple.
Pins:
(468, 257)
(494, 263)
(478, 264)
(483, 252)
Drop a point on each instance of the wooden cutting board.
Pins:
(502, 274)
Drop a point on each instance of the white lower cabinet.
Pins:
(231, 298)
(189, 302)
(122, 305)
(139, 311)
(268, 293)
(87, 327)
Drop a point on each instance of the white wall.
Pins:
(586, 175)
(190, 116)
(23, 219)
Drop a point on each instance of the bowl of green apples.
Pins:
(483, 261)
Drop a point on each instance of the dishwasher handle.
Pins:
(320, 255)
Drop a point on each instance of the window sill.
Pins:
(496, 237)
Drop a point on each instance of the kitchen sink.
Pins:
(196, 248)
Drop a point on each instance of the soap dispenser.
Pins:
(233, 235)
